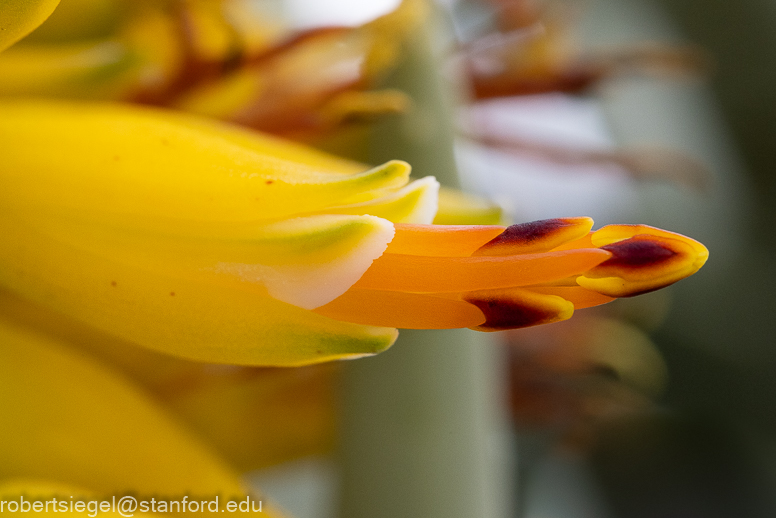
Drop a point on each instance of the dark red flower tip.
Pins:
(514, 308)
(536, 236)
(637, 253)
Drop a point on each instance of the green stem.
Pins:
(420, 421)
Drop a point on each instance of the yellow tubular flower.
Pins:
(67, 418)
(253, 417)
(18, 18)
(217, 58)
(217, 244)
(138, 51)
(312, 83)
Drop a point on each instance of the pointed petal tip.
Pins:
(415, 203)
(513, 308)
(338, 249)
(393, 168)
(536, 236)
(644, 263)
(18, 19)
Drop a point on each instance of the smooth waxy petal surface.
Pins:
(397, 272)
(302, 261)
(514, 308)
(403, 310)
(536, 236)
(68, 418)
(643, 259)
(250, 416)
(441, 240)
(415, 203)
(186, 317)
(190, 226)
(136, 163)
(18, 18)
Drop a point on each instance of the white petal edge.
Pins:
(310, 287)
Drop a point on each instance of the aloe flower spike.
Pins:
(214, 243)
(492, 278)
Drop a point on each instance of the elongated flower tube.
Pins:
(253, 417)
(492, 278)
(218, 244)
(67, 418)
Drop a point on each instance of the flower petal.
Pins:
(441, 240)
(137, 163)
(190, 318)
(302, 261)
(249, 415)
(413, 203)
(506, 308)
(513, 308)
(641, 264)
(398, 272)
(577, 295)
(402, 310)
(313, 260)
(643, 259)
(536, 236)
(18, 18)
(68, 418)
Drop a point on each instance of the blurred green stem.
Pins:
(422, 421)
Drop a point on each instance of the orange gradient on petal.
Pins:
(401, 272)
(577, 295)
(441, 240)
(491, 278)
(402, 310)
(536, 236)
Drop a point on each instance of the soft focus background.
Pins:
(708, 448)
(671, 412)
